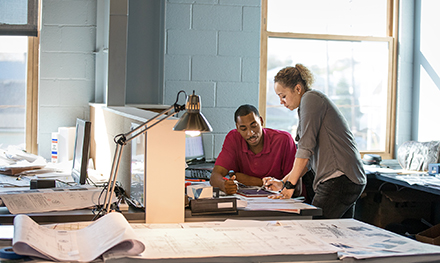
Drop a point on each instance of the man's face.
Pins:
(250, 128)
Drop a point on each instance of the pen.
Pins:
(263, 186)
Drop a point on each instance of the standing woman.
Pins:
(325, 140)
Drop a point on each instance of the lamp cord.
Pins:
(177, 107)
(99, 210)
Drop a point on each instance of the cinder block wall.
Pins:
(67, 66)
(212, 47)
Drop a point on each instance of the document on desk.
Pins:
(426, 180)
(359, 240)
(283, 205)
(14, 181)
(198, 244)
(83, 245)
(54, 199)
(296, 240)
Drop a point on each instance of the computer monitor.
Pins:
(81, 151)
(194, 147)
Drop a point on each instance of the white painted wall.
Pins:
(67, 66)
(211, 46)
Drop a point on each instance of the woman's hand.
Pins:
(284, 194)
(272, 184)
(277, 185)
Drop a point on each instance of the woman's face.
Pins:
(290, 98)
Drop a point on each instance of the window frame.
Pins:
(28, 29)
(31, 130)
(391, 38)
(32, 31)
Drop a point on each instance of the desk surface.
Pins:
(138, 215)
(322, 241)
(253, 215)
(134, 216)
(392, 178)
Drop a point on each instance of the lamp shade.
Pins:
(193, 119)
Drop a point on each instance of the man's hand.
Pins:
(231, 186)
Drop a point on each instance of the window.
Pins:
(19, 43)
(350, 54)
(13, 62)
(19, 17)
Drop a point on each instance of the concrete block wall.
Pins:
(67, 66)
(212, 47)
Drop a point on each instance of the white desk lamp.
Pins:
(191, 120)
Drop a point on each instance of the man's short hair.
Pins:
(244, 110)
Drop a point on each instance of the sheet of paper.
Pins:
(285, 205)
(420, 180)
(54, 199)
(229, 241)
(229, 223)
(111, 231)
(6, 232)
(348, 238)
(382, 170)
(14, 181)
(359, 240)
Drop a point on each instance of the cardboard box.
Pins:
(430, 235)
(386, 207)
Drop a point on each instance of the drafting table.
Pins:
(324, 241)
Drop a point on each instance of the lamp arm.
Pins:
(122, 139)
(177, 108)
(132, 134)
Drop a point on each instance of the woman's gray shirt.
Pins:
(325, 139)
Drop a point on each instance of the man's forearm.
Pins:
(248, 180)
(217, 181)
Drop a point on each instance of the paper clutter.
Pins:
(199, 191)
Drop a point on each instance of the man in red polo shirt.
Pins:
(252, 152)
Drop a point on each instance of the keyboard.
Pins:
(197, 174)
(199, 171)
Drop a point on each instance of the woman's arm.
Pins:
(298, 170)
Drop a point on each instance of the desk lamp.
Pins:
(191, 120)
